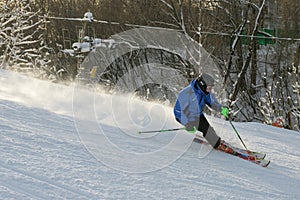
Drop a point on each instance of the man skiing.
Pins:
(188, 111)
(189, 107)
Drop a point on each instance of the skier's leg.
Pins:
(208, 132)
(212, 138)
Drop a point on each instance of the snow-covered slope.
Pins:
(60, 142)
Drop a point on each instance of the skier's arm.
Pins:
(178, 111)
(183, 118)
(218, 107)
(215, 105)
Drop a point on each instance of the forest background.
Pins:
(255, 44)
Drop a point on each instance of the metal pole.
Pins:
(163, 130)
(238, 134)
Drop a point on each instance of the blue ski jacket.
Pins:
(191, 101)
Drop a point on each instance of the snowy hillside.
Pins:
(60, 142)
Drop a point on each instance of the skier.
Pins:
(189, 107)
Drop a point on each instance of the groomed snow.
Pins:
(54, 144)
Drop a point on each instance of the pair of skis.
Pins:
(252, 156)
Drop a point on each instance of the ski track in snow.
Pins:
(42, 156)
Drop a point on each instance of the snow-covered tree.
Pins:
(20, 35)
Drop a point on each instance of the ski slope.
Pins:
(61, 142)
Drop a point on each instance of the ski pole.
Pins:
(163, 130)
(238, 134)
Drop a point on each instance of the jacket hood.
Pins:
(197, 88)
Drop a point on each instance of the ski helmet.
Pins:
(206, 79)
